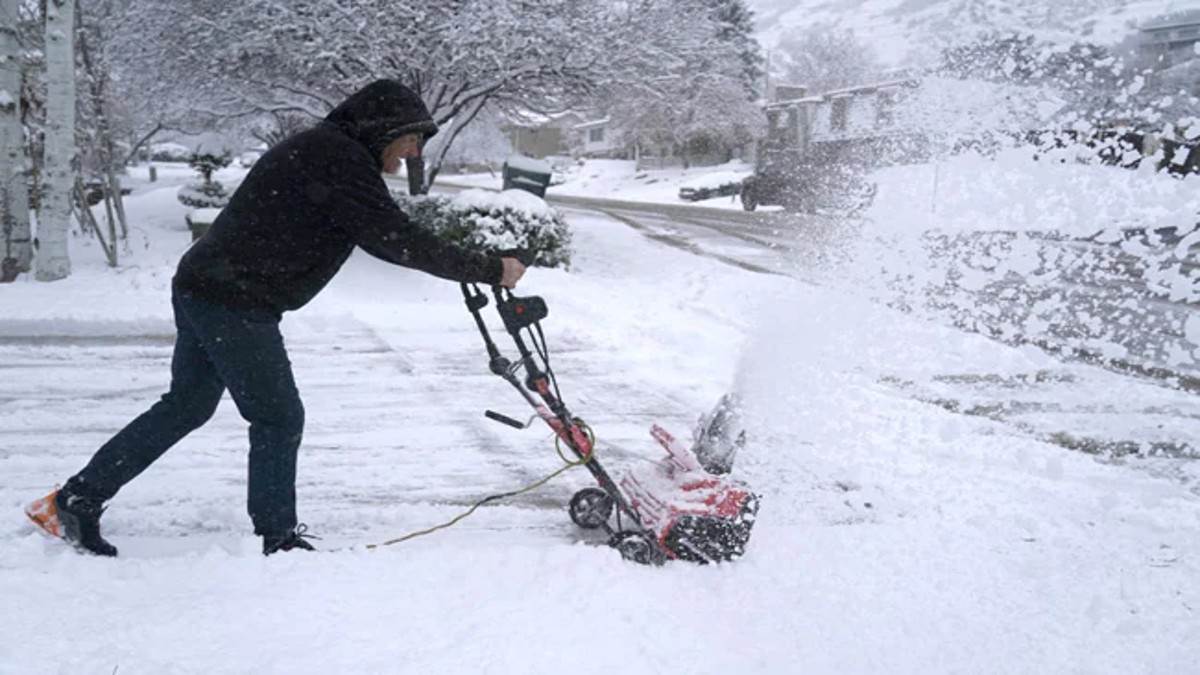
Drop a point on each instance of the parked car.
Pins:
(830, 178)
(711, 185)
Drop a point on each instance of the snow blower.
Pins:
(683, 508)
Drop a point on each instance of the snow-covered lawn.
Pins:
(620, 180)
(895, 535)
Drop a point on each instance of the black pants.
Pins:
(217, 348)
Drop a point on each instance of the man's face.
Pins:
(404, 147)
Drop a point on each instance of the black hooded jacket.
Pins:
(309, 201)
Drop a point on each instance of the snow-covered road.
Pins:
(919, 514)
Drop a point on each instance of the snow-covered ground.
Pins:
(1012, 192)
(897, 533)
(620, 179)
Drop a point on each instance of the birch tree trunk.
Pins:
(54, 218)
(15, 240)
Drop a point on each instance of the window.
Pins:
(596, 135)
(886, 111)
(841, 111)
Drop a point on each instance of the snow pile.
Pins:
(1093, 261)
(1015, 193)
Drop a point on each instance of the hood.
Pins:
(381, 112)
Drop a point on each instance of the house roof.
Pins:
(528, 118)
(1179, 19)
(845, 93)
(787, 103)
(871, 88)
(593, 123)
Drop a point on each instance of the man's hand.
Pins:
(513, 271)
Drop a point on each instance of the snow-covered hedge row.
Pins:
(495, 221)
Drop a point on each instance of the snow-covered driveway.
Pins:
(897, 534)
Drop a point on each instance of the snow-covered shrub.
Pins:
(207, 163)
(491, 222)
(208, 193)
(201, 195)
(170, 152)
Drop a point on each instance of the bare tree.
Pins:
(100, 134)
(694, 83)
(279, 126)
(261, 57)
(823, 59)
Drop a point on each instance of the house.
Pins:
(596, 138)
(818, 145)
(1171, 40)
(540, 136)
(798, 121)
(903, 115)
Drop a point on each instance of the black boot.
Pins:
(80, 520)
(288, 541)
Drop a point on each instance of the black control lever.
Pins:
(505, 419)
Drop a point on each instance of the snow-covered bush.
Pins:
(207, 163)
(207, 193)
(202, 195)
(491, 222)
(170, 152)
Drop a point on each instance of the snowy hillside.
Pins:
(899, 29)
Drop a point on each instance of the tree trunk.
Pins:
(15, 240)
(415, 167)
(445, 139)
(54, 219)
(107, 153)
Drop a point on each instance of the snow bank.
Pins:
(1015, 193)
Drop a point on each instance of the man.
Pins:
(287, 230)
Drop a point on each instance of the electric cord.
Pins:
(568, 464)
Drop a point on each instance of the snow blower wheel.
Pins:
(590, 508)
(637, 547)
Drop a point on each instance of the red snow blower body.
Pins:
(683, 507)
